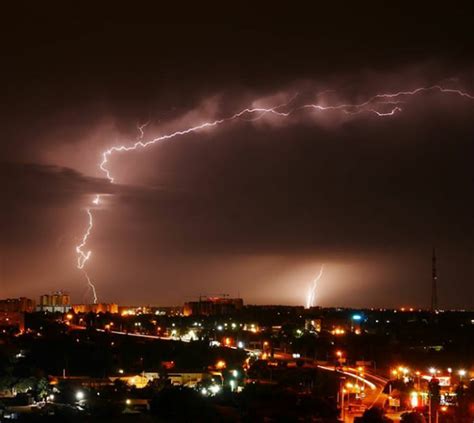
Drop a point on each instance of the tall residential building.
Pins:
(213, 306)
(17, 305)
(58, 301)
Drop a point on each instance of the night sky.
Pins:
(253, 207)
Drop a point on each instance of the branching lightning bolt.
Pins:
(380, 105)
(312, 290)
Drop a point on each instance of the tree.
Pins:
(374, 415)
(42, 388)
(412, 417)
(24, 385)
(7, 383)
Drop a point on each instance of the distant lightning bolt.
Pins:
(376, 105)
(84, 256)
(312, 290)
(91, 286)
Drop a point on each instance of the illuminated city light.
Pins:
(214, 389)
(414, 399)
(221, 364)
(80, 395)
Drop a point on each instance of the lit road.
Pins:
(374, 395)
(374, 384)
(141, 335)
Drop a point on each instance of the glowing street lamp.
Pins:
(414, 399)
(221, 364)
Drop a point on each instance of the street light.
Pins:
(462, 373)
(418, 377)
(414, 399)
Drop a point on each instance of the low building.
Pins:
(213, 306)
(96, 308)
(187, 378)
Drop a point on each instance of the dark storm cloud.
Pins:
(35, 196)
(364, 185)
(251, 202)
(33, 182)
